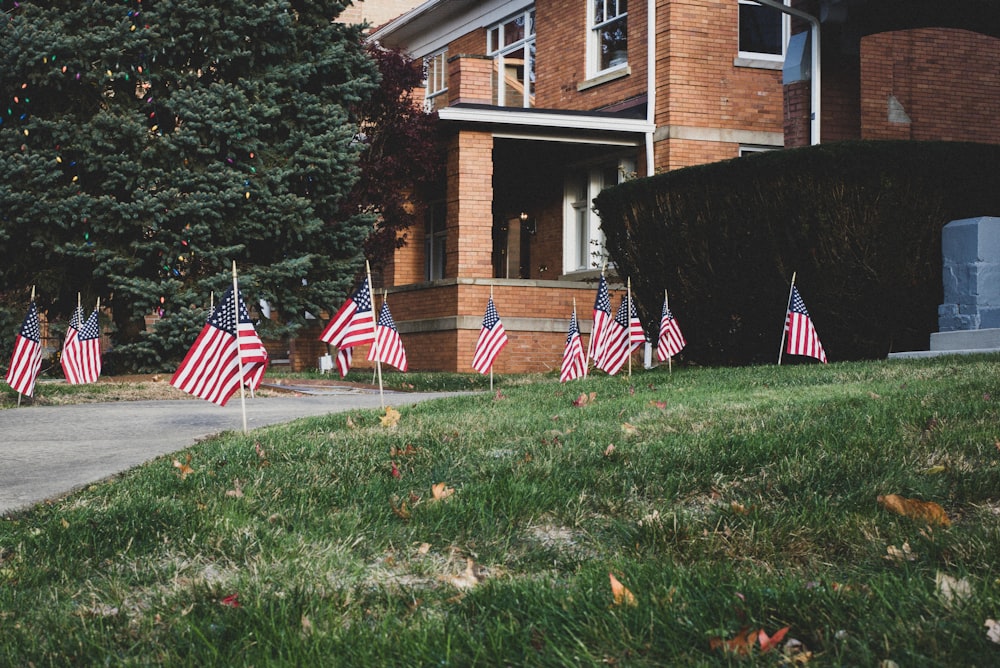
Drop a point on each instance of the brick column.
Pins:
(470, 205)
(470, 79)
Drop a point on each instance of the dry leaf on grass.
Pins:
(350, 423)
(739, 644)
(629, 429)
(585, 399)
(621, 594)
(472, 576)
(441, 491)
(185, 469)
(231, 601)
(894, 553)
(662, 405)
(391, 417)
(952, 591)
(767, 643)
(610, 450)
(395, 471)
(927, 511)
(993, 630)
(237, 491)
(401, 510)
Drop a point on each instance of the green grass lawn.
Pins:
(726, 501)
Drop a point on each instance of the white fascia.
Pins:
(512, 116)
(430, 27)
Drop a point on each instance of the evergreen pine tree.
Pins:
(144, 146)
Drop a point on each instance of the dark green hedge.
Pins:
(860, 223)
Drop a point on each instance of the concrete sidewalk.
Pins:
(48, 451)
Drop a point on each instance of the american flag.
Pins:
(624, 335)
(388, 344)
(210, 369)
(26, 361)
(81, 355)
(602, 316)
(353, 325)
(670, 341)
(492, 339)
(802, 338)
(574, 363)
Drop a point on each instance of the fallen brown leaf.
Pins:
(391, 417)
(629, 429)
(585, 399)
(185, 469)
(621, 594)
(237, 491)
(441, 491)
(927, 511)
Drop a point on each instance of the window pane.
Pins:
(513, 78)
(760, 29)
(598, 11)
(582, 237)
(513, 31)
(493, 40)
(614, 44)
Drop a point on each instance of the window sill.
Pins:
(604, 78)
(758, 63)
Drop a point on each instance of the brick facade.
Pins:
(709, 103)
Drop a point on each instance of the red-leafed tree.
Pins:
(400, 156)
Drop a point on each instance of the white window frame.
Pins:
(594, 30)
(499, 51)
(786, 28)
(583, 239)
(435, 80)
(435, 241)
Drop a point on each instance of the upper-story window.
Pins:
(607, 41)
(436, 76)
(763, 31)
(512, 45)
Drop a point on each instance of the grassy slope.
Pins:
(732, 498)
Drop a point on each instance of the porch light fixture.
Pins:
(528, 224)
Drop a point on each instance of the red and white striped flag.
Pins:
(353, 325)
(574, 363)
(388, 344)
(602, 316)
(801, 334)
(492, 339)
(670, 341)
(211, 368)
(81, 354)
(625, 334)
(26, 361)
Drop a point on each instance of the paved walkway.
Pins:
(47, 451)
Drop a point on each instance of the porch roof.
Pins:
(552, 124)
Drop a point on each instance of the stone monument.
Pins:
(969, 318)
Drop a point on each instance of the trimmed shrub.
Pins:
(859, 222)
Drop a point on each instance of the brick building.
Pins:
(543, 104)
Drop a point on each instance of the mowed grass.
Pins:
(727, 501)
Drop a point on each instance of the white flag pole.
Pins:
(784, 329)
(491, 363)
(378, 362)
(670, 358)
(239, 357)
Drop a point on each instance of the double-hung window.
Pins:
(763, 31)
(436, 78)
(583, 240)
(512, 45)
(607, 39)
(435, 241)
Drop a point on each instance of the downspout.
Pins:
(650, 82)
(814, 78)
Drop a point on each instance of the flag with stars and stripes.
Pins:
(388, 347)
(26, 361)
(670, 341)
(81, 354)
(625, 334)
(492, 339)
(211, 368)
(801, 334)
(353, 325)
(602, 316)
(574, 363)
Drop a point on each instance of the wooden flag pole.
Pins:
(211, 301)
(670, 358)
(581, 344)
(378, 363)
(239, 357)
(784, 328)
(628, 294)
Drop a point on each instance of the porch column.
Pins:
(470, 205)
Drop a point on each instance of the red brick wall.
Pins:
(470, 205)
(946, 80)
